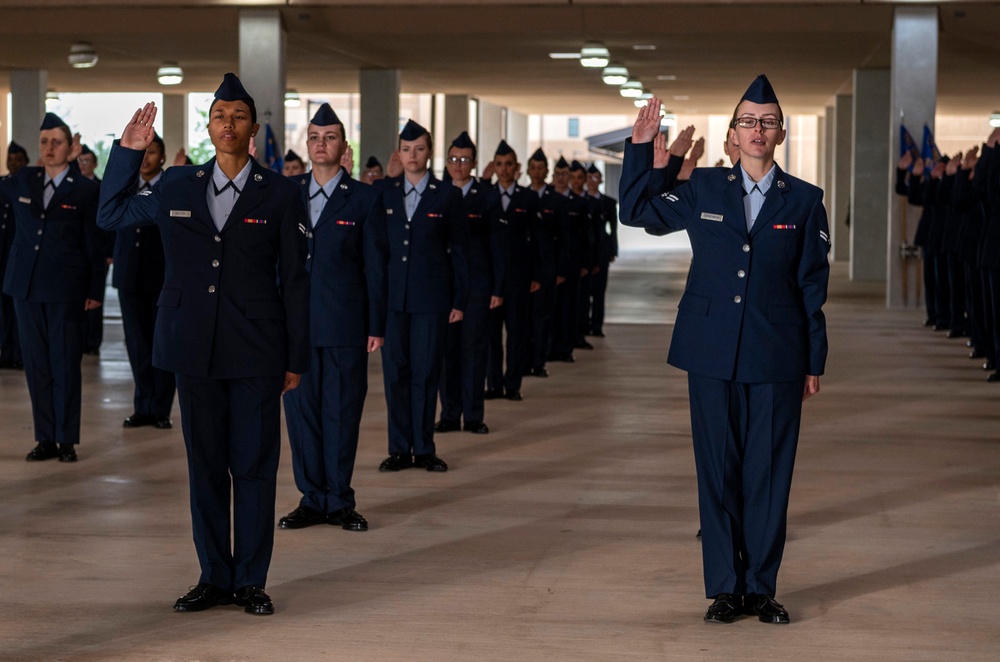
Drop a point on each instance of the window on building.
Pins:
(574, 127)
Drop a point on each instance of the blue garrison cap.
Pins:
(325, 116)
(593, 170)
(412, 131)
(232, 89)
(760, 91)
(16, 149)
(503, 149)
(85, 149)
(51, 121)
(561, 163)
(539, 155)
(576, 166)
(463, 141)
(292, 156)
(372, 162)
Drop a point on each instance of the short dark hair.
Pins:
(157, 140)
(430, 140)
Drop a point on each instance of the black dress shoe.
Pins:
(254, 600)
(957, 333)
(539, 372)
(163, 423)
(202, 597)
(563, 357)
(976, 354)
(928, 322)
(725, 609)
(67, 453)
(430, 462)
(347, 519)
(583, 344)
(989, 364)
(476, 427)
(396, 462)
(514, 396)
(446, 426)
(139, 420)
(698, 535)
(300, 518)
(941, 327)
(995, 377)
(597, 334)
(43, 452)
(493, 394)
(766, 608)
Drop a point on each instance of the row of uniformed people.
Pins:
(957, 237)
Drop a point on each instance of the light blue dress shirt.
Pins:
(756, 192)
(223, 194)
(50, 191)
(318, 195)
(413, 194)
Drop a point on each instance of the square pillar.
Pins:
(27, 93)
(839, 202)
(175, 124)
(262, 71)
(379, 114)
(870, 175)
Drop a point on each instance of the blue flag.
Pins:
(906, 143)
(930, 150)
(272, 153)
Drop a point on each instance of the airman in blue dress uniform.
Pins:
(10, 344)
(751, 334)
(347, 263)
(233, 325)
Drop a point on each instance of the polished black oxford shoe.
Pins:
(254, 600)
(396, 462)
(514, 396)
(67, 453)
(766, 609)
(163, 423)
(539, 372)
(446, 426)
(300, 518)
(139, 420)
(493, 394)
(430, 462)
(995, 377)
(201, 597)
(476, 427)
(347, 519)
(725, 609)
(583, 344)
(43, 452)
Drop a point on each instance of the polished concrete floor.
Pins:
(565, 534)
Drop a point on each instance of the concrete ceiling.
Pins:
(498, 51)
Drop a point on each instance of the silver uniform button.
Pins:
(737, 298)
(746, 248)
(741, 273)
(36, 247)
(138, 230)
(137, 244)
(211, 289)
(215, 263)
(41, 216)
(39, 231)
(218, 238)
(406, 242)
(404, 258)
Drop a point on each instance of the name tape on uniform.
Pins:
(705, 216)
(180, 213)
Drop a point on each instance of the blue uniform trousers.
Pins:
(51, 342)
(10, 343)
(543, 303)
(324, 421)
(232, 431)
(154, 388)
(464, 369)
(598, 290)
(565, 323)
(745, 437)
(514, 316)
(93, 326)
(411, 364)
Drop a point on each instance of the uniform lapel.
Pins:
(429, 196)
(337, 199)
(64, 189)
(37, 186)
(735, 214)
(251, 195)
(773, 201)
(199, 177)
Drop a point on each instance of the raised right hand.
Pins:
(682, 143)
(905, 161)
(660, 154)
(647, 123)
(138, 133)
(395, 166)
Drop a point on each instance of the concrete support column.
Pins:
(27, 93)
(175, 124)
(839, 200)
(492, 126)
(913, 89)
(829, 126)
(517, 136)
(262, 71)
(456, 117)
(379, 113)
(870, 175)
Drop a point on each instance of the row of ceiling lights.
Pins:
(82, 55)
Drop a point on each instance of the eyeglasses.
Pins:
(464, 160)
(767, 123)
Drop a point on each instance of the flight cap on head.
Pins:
(539, 155)
(576, 166)
(412, 131)
(51, 121)
(760, 91)
(503, 149)
(85, 149)
(326, 116)
(232, 89)
(292, 156)
(372, 162)
(593, 170)
(16, 149)
(463, 141)
(562, 163)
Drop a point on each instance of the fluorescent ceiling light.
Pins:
(594, 55)
(82, 55)
(631, 90)
(292, 99)
(644, 47)
(564, 56)
(615, 74)
(667, 77)
(995, 118)
(170, 74)
(668, 119)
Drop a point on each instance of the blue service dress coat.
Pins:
(56, 262)
(233, 319)
(750, 327)
(10, 345)
(428, 277)
(553, 261)
(347, 262)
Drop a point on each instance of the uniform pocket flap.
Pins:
(265, 310)
(170, 297)
(694, 303)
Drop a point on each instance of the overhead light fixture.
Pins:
(170, 74)
(644, 47)
(565, 56)
(995, 118)
(292, 99)
(681, 97)
(631, 89)
(594, 55)
(668, 119)
(615, 74)
(643, 99)
(82, 55)
(667, 77)
(52, 95)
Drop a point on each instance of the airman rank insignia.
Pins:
(824, 236)
(146, 192)
(303, 230)
(433, 186)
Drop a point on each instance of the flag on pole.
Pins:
(906, 143)
(930, 150)
(272, 153)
